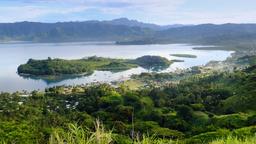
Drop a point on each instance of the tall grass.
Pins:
(152, 140)
(235, 140)
(78, 135)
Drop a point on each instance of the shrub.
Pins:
(185, 112)
(79, 135)
(245, 132)
(232, 121)
(197, 107)
(208, 137)
(235, 140)
(167, 133)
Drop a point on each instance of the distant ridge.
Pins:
(70, 31)
(125, 31)
(135, 23)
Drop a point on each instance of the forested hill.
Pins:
(135, 23)
(210, 33)
(70, 31)
(198, 110)
(126, 31)
(233, 35)
(121, 29)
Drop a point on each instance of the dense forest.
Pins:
(200, 109)
(53, 67)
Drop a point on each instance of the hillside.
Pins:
(229, 35)
(135, 23)
(210, 34)
(126, 31)
(69, 31)
(199, 109)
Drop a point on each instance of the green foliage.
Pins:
(152, 140)
(197, 107)
(245, 132)
(249, 60)
(167, 133)
(79, 135)
(208, 137)
(153, 62)
(81, 66)
(185, 112)
(195, 110)
(109, 101)
(155, 77)
(56, 67)
(121, 139)
(232, 121)
(11, 132)
(235, 140)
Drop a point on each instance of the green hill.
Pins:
(199, 109)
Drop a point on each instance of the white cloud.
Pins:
(139, 5)
(191, 17)
(32, 9)
(154, 11)
(15, 13)
(31, 12)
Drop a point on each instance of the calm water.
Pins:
(12, 55)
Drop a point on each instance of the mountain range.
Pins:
(125, 31)
(135, 23)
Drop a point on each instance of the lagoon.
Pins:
(14, 54)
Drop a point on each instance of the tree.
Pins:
(185, 112)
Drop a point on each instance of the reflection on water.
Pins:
(59, 78)
(12, 55)
(53, 79)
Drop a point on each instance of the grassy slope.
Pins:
(235, 140)
(195, 110)
(76, 134)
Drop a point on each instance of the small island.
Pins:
(184, 55)
(86, 66)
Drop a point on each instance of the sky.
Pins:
(160, 12)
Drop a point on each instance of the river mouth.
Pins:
(14, 54)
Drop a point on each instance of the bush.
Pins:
(185, 112)
(251, 120)
(245, 132)
(232, 121)
(167, 133)
(79, 135)
(235, 140)
(121, 139)
(197, 107)
(110, 101)
(208, 137)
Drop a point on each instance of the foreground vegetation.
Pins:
(235, 140)
(213, 108)
(86, 66)
(76, 134)
(202, 108)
